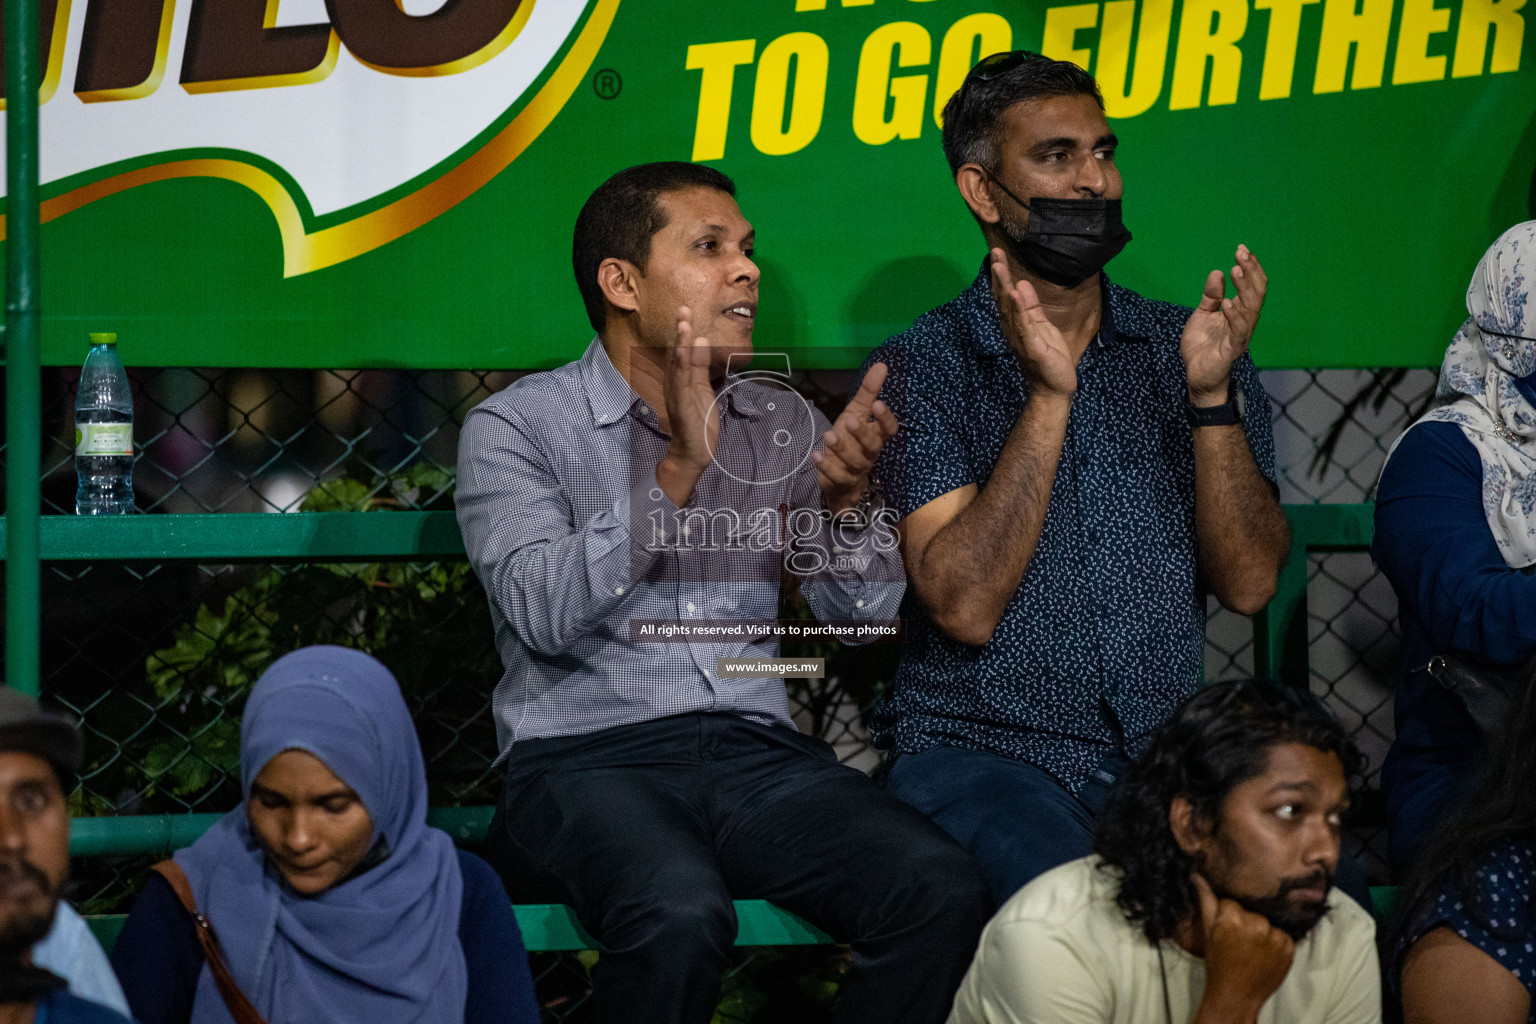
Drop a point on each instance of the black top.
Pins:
(158, 958)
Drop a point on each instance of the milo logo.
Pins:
(356, 121)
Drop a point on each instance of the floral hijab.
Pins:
(1488, 389)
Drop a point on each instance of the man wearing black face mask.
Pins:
(1078, 466)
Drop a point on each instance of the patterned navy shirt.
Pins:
(575, 544)
(1498, 917)
(1105, 636)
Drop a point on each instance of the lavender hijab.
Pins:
(380, 947)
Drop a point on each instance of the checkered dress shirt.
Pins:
(572, 539)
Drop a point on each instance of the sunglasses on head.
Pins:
(997, 64)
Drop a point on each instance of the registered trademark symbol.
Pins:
(607, 84)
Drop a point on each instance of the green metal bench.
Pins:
(552, 927)
(546, 927)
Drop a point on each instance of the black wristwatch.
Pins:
(1227, 414)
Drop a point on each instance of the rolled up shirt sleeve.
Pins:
(552, 581)
(928, 457)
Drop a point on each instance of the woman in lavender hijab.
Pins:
(329, 893)
(1456, 536)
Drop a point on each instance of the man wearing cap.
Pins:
(1077, 467)
(38, 749)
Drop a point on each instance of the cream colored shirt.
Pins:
(1062, 952)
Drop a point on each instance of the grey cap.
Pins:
(32, 729)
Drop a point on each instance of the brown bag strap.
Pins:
(240, 1008)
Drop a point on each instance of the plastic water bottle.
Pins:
(104, 433)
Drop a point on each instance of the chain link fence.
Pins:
(156, 659)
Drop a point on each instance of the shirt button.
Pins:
(690, 606)
(618, 591)
(1093, 536)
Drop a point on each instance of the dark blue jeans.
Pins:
(649, 831)
(1017, 820)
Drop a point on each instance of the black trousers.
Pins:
(649, 831)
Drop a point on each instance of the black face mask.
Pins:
(1068, 240)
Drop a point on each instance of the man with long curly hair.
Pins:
(1209, 897)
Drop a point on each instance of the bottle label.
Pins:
(104, 439)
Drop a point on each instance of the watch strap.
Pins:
(1227, 414)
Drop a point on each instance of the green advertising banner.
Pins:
(371, 183)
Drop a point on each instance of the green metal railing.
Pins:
(1280, 630)
(23, 400)
(1280, 650)
(225, 537)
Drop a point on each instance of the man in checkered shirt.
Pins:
(645, 489)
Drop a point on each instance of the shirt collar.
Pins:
(609, 395)
(740, 398)
(987, 329)
(610, 398)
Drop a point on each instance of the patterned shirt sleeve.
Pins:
(927, 458)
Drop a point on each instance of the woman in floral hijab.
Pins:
(1456, 536)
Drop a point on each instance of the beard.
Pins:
(31, 916)
(1293, 918)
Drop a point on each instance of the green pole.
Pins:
(23, 403)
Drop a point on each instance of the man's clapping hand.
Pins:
(1047, 360)
(693, 419)
(853, 444)
(1219, 329)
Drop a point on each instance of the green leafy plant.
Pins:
(428, 622)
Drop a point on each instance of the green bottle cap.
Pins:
(103, 339)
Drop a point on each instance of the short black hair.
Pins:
(974, 112)
(620, 217)
(1219, 739)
